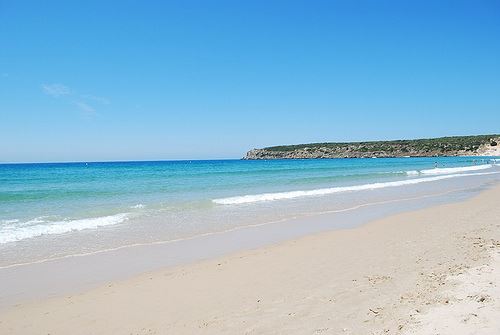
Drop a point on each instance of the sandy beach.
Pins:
(249, 167)
(431, 271)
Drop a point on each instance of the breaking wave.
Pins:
(246, 199)
(13, 230)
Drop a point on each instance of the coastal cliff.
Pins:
(480, 145)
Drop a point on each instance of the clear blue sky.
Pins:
(125, 80)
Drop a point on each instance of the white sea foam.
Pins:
(456, 169)
(245, 199)
(438, 171)
(39, 227)
(9, 221)
(138, 206)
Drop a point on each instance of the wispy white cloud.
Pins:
(56, 90)
(101, 100)
(85, 108)
(84, 102)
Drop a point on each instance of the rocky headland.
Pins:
(479, 145)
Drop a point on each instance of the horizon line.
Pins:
(220, 159)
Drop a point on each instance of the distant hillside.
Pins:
(485, 145)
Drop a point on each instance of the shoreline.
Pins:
(78, 223)
(237, 228)
(76, 273)
(370, 278)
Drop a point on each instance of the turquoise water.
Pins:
(125, 202)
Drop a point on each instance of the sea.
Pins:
(52, 210)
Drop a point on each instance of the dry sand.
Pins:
(433, 271)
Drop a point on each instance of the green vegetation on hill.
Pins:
(443, 146)
(452, 143)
